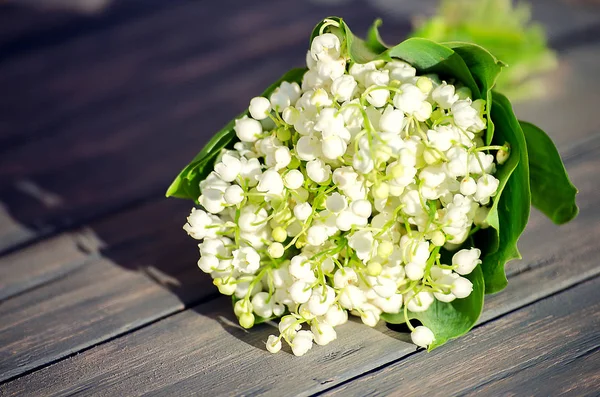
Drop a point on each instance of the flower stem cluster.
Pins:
(340, 195)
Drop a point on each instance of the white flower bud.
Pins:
(301, 269)
(293, 179)
(234, 195)
(290, 115)
(259, 108)
(316, 235)
(247, 129)
(378, 97)
(468, 186)
(271, 183)
(308, 148)
(300, 291)
(262, 304)
(462, 287)
(288, 326)
(392, 120)
(276, 250)
(302, 211)
(414, 271)
(466, 260)
(352, 297)
(336, 316)
(323, 333)
(422, 336)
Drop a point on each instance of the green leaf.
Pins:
(374, 41)
(187, 184)
(430, 57)
(510, 209)
(485, 69)
(449, 320)
(551, 190)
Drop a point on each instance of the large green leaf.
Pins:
(430, 57)
(510, 209)
(187, 183)
(449, 320)
(485, 69)
(374, 41)
(551, 190)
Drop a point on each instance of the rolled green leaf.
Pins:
(551, 189)
(187, 184)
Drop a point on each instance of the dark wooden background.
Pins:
(99, 291)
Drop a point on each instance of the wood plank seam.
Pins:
(483, 323)
(202, 301)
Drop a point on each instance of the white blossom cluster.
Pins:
(340, 195)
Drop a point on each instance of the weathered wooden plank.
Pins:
(127, 86)
(44, 262)
(204, 347)
(115, 275)
(549, 348)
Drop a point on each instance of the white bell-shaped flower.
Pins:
(419, 302)
(293, 179)
(273, 344)
(302, 342)
(318, 171)
(323, 333)
(246, 260)
(270, 182)
(234, 195)
(325, 47)
(343, 88)
(200, 224)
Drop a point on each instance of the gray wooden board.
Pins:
(90, 285)
(148, 235)
(196, 351)
(548, 349)
(120, 110)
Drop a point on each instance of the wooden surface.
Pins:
(99, 291)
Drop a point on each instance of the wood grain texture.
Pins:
(90, 285)
(120, 110)
(551, 348)
(198, 350)
(44, 262)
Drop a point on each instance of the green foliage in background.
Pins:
(504, 29)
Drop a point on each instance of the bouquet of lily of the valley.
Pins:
(390, 183)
